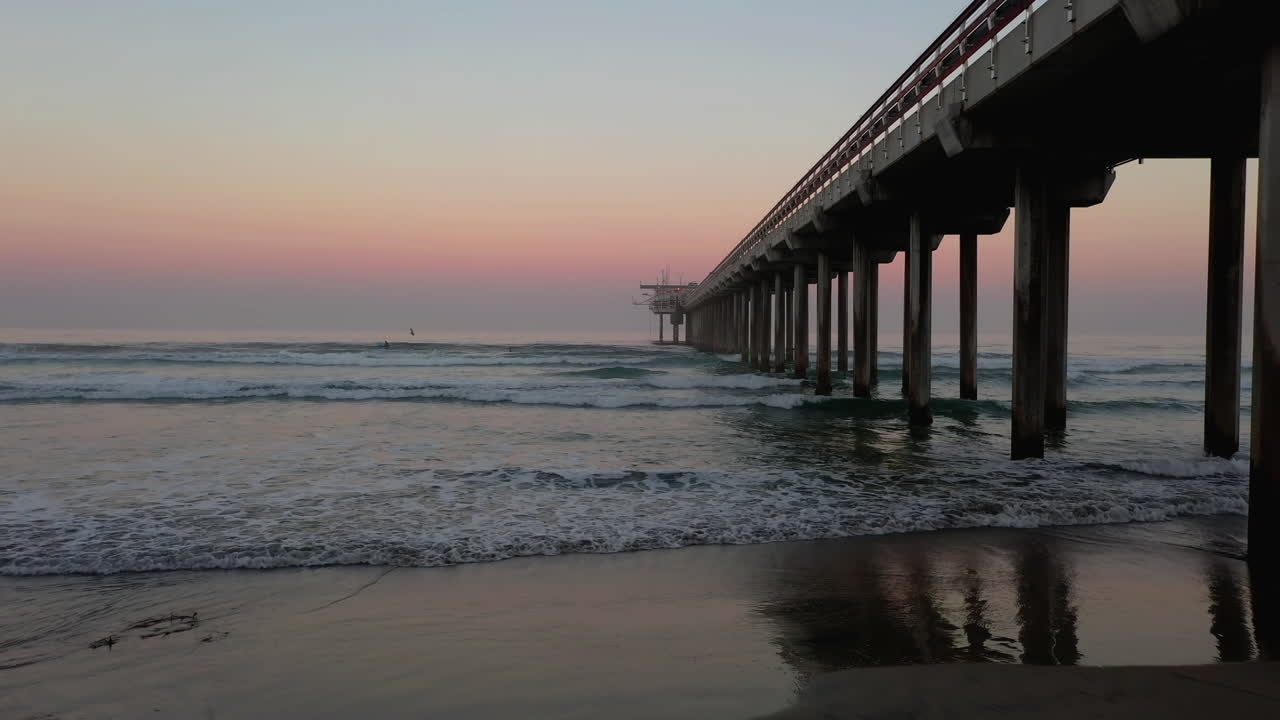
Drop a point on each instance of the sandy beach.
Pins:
(700, 632)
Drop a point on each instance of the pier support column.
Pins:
(823, 386)
(920, 321)
(789, 322)
(779, 326)
(906, 323)
(1226, 289)
(743, 326)
(842, 321)
(861, 359)
(1264, 454)
(661, 330)
(969, 316)
(762, 356)
(873, 316)
(800, 290)
(1037, 208)
(1057, 266)
(675, 331)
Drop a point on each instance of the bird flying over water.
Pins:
(410, 331)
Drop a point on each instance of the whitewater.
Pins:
(125, 456)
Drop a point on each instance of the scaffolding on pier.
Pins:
(665, 298)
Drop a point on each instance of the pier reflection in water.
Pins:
(1049, 597)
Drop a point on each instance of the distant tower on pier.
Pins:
(666, 300)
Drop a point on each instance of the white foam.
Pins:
(438, 518)
(539, 390)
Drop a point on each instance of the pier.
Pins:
(1025, 109)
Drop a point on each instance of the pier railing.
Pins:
(973, 32)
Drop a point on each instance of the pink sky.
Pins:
(144, 190)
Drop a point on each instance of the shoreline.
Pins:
(703, 631)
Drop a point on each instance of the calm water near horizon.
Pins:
(154, 451)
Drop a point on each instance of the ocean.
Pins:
(125, 452)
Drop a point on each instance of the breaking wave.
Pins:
(442, 518)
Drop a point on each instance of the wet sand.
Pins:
(704, 632)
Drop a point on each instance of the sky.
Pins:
(482, 165)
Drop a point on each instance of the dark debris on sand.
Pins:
(158, 626)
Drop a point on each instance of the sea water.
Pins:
(127, 452)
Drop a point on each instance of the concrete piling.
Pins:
(762, 326)
(801, 292)
(906, 323)
(779, 326)
(842, 321)
(744, 325)
(969, 316)
(1264, 454)
(1035, 203)
(789, 326)
(919, 285)
(1056, 276)
(1223, 307)
(861, 351)
(823, 386)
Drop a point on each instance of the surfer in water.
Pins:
(386, 345)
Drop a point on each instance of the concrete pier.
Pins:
(842, 321)
(1035, 208)
(1223, 312)
(919, 291)
(823, 386)
(675, 331)
(661, 331)
(1264, 454)
(744, 326)
(779, 326)
(969, 316)
(1056, 276)
(800, 289)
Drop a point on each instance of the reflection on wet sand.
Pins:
(862, 606)
(1046, 615)
(1227, 620)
